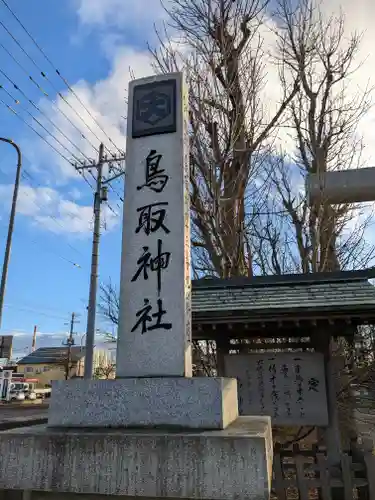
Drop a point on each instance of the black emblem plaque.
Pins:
(154, 109)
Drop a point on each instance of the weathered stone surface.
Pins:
(290, 387)
(234, 463)
(199, 402)
(154, 331)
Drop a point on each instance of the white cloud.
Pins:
(139, 13)
(106, 99)
(106, 105)
(50, 210)
(75, 194)
(22, 341)
(125, 13)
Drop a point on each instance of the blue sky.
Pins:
(89, 42)
(94, 44)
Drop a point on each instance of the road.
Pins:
(19, 416)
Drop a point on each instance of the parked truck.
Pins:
(22, 388)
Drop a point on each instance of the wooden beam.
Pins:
(270, 346)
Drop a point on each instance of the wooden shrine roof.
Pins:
(324, 296)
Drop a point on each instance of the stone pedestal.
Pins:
(233, 463)
(188, 403)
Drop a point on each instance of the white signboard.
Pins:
(154, 334)
(5, 380)
(289, 387)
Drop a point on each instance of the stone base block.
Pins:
(222, 465)
(189, 403)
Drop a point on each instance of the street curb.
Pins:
(15, 406)
(6, 426)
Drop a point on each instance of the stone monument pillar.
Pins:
(155, 431)
(154, 334)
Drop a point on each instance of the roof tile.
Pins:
(297, 296)
(46, 355)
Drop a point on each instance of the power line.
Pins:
(55, 69)
(33, 129)
(117, 193)
(46, 94)
(40, 307)
(36, 242)
(18, 102)
(88, 169)
(28, 309)
(23, 69)
(84, 178)
(112, 210)
(14, 112)
(44, 75)
(54, 106)
(44, 139)
(43, 127)
(58, 109)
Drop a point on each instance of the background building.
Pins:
(56, 363)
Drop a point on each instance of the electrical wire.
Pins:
(59, 224)
(29, 309)
(43, 127)
(23, 69)
(40, 306)
(82, 174)
(47, 95)
(45, 140)
(48, 143)
(44, 92)
(55, 107)
(54, 68)
(74, 264)
(33, 129)
(112, 210)
(116, 192)
(43, 74)
(58, 152)
(18, 102)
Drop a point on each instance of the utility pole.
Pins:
(33, 345)
(11, 225)
(100, 195)
(70, 343)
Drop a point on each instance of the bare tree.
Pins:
(109, 302)
(323, 122)
(221, 51)
(248, 204)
